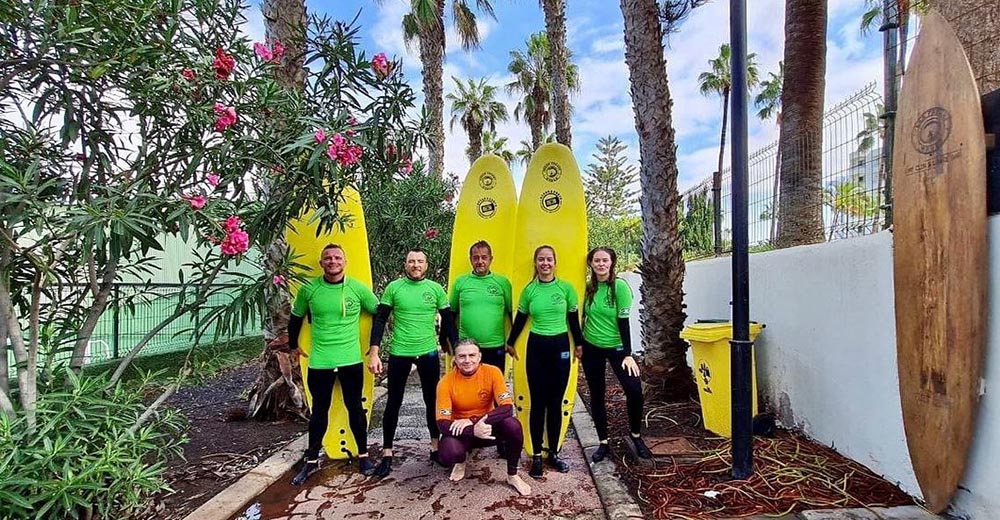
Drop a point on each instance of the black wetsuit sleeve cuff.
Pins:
(294, 328)
(626, 335)
(573, 318)
(515, 330)
(378, 323)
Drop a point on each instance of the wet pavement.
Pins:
(419, 489)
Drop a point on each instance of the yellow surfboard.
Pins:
(302, 240)
(551, 211)
(486, 210)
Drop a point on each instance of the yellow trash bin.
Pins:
(710, 345)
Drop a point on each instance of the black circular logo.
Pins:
(551, 201)
(486, 207)
(931, 130)
(487, 180)
(551, 172)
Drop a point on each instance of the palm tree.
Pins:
(768, 102)
(800, 213)
(531, 69)
(718, 80)
(555, 28)
(903, 9)
(425, 23)
(527, 149)
(493, 144)
(849, 200)
(475, 105)
(666, 371)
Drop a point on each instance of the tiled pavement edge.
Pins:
(618, 502)
(234, 498)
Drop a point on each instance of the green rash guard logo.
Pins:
(493, 290)
(428, 297)
(558, 299)
(351, 304)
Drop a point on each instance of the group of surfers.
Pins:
(471, 406)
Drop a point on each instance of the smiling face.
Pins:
(481, 259)
(333, 261)
(467, 358)
(601, 264)
(416, 264)
(545, 263)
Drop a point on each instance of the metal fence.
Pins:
(135, 309)
(849, 201)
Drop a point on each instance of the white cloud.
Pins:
(611, 43)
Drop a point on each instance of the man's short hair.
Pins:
(464, 342)
(479, 245)
(330, 246)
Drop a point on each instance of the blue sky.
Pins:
(603, 105)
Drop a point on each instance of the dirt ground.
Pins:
(792, 473)
(220, 449)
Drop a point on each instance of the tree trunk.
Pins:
(775, 187)
(717, 178)
(286, 22)
(977, 25)
(537, 116)
(801, 205)
(555, 29)
(666, 372)
(475, 149)
(431, 41)
(101, 290)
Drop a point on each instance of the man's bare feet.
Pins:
(457, 472)
(521, 486)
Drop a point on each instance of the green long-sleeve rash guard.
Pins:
(335, 309)
(483, 304)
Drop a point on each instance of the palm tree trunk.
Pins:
(475, 149)
(431, 42)
(666, 371)
(801, 211)
(555, 29)
(286, 22)
(904, 32)
(537, 117)
(717, 177)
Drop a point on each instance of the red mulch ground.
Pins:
(792, 473)
(220, 450)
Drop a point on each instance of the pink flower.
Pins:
(223, 64)
(278, 279)
(353, 121)
(320, 135)
(263, 51)
(196, 201)
(235, 243)
(338, 140)
(278, 49)
(225, 117)
(232, 224)
(431, 233)
(213, 179)
(407, 167)
(188, 74)
(344, 153)
(380, 64)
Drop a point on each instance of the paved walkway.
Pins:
(418, 489)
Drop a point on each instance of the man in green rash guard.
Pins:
(334, 303)
(482, 302)
(413, 302)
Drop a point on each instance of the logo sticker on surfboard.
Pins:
(551, 201)
(487, 180)
(928, 136)
(551, 172)
(486, 207)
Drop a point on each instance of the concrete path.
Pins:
(419, 489)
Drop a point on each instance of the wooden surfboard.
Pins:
(486, 210)
(302, 240)
(939, 258)
(551, 210)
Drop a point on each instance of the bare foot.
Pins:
(458, 472)
(521, 486)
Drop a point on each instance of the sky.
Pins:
(603, 105)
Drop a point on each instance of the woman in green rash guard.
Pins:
(606, 338)
(551, 304)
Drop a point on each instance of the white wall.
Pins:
(827, 358)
